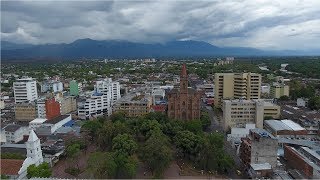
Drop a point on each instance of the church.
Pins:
(17, 168)
(184, 103)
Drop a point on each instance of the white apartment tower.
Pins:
(109, 88)
(25, 89)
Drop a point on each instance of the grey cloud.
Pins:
(221, 22)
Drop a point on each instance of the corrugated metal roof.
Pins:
(277, 125)
(294, 126)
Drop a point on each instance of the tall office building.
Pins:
(109, 88)
(25, 89)
(235, 86)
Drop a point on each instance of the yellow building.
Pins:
(25, 111)
(277, 90)
(133, 105)
(236, 85)
(67, 104)
(238, 113)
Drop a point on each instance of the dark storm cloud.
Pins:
(250, 23)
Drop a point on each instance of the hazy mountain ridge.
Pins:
(88, 48)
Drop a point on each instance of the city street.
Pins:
(216, 126)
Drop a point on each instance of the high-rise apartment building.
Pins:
(53, 86)
(75, 88)
(109, 88)
(238, 113)
(235, 86)
(25, 89)
(95, 105)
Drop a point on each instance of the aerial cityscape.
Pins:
(160, 89)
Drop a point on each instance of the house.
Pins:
(14, 133)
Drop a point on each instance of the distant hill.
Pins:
(88, 48)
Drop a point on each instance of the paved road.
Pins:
(216, 121)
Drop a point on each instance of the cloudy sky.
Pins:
(264, 24)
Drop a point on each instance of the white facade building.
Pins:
(302, 102)
(109, 88)
(237, 133)
(54, 86)
(95, 105)
(25, 89)
(50, 126)
(34, 124)
(14, 133)
(41, 108)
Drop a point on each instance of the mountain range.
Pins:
(88, 48)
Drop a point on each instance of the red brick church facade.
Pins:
(184, 103)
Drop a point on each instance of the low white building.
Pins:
(265, 89)
(53, 86)
(34, 124)
(95, 105)
(41, 108)
(50, 126)
(14, 133)
(302, 102)
(237, 133)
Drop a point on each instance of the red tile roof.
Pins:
(10, 166)
(159, 108)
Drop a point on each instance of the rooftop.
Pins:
(294, 126)
(57, 119)
(38, 120)
(12, 127)
(10, 166)
(262, 166)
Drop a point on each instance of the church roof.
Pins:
(11, 166)
(32, 136)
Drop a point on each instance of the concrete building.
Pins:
(238, 113)
(277, 90)
(75, 88)
(34, 124)
(301, 102)
(237, 133)
(284, 128)
(109, 88)
(52, 108)
(134, 104)
(41, 108)
(236, 85)
(303, 159)
(52, 86)
(49, 127)
(184, 103)
(25, 89)
(25, 111)
(67, 104)
(258, 148)
(14, 133)
(95, 105)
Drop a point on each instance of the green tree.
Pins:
(126, 166)
(118, 116)
(41, 171)
(92, 127)
(194, 126)
(124, 144)
(73, 152)
(314, 103)
(188, 143)
(148, 125)
(156, 152)
(102, 165)
(205, 120)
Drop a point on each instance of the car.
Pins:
(238, 172)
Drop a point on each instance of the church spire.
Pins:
(183, 71)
